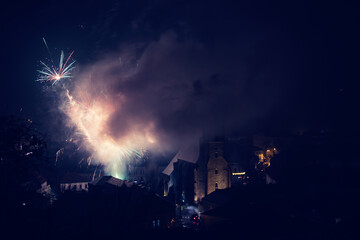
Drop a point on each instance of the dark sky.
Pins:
(246, 66)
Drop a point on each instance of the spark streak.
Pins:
(59, 155)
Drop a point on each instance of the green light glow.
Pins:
(117, 170)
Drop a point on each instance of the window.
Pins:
(216, 154)
(216, 185)
(216, 171)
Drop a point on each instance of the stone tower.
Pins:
(218, 171)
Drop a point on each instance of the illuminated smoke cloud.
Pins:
(159, 96)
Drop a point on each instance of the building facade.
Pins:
(199, 170)
(75, 182)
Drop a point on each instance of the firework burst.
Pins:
(53, 74)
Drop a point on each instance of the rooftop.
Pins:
(188, 153)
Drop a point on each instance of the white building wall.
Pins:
(81, 186)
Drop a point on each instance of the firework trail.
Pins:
(47, 47)
(50, 73)
(89, 159)
(59, 155)
(93, 176)
(90, 115)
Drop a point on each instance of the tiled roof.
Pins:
(75, 178)
(113, 181)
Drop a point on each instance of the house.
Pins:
(75, 182)
(179, 174)
(130, 205)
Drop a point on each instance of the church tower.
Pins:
(218, 170)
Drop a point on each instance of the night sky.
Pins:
(241, 67)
